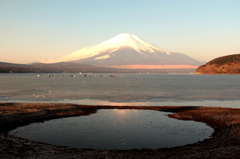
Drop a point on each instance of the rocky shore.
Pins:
(224, 143)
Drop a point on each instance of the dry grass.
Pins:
(13, 108)
(218, 118)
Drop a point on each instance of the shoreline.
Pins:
(224, 142)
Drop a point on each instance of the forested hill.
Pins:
(222, 65)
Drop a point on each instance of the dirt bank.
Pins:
(224, 143)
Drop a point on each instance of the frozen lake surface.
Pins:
(122, 89)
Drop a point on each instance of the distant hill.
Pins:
(11, 67)
(50, 68)
(223, 65)
(71, 67)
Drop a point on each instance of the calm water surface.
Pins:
(123, 89)
(117, 129)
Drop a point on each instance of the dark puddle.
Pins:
(117, 129)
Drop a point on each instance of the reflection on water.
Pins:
(117, 129)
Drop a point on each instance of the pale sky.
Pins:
(34, 30)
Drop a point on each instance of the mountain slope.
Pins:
(126, 49)
(129, 56)
(223, 65)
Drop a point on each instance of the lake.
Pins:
(122, 89)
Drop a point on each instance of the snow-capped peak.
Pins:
(111, 45)
(134, 42)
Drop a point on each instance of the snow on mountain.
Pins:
(128, 50)
(123, 40)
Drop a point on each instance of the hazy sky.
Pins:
(33, 30)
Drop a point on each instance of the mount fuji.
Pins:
(128, 51)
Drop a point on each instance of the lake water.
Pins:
(123, 89)
(117, 129)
